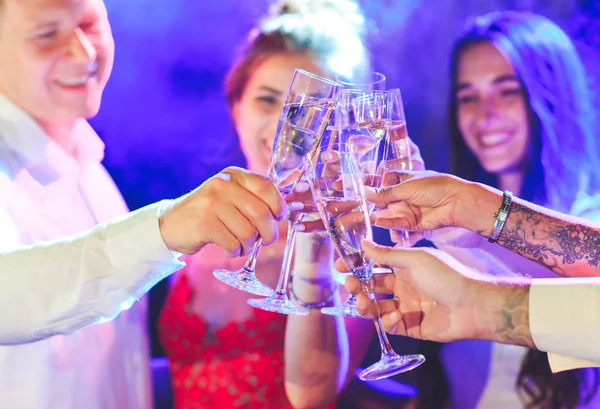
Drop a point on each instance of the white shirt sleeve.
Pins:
(59, 286)
(564, 316)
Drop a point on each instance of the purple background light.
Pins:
(164, 118)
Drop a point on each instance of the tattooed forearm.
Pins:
(566, 248)
(512, 317)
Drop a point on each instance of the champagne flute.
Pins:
(279, 301)
(307, 108)
(339, 193)
(372, 81)
(374, 127)
(361, 120)
(362, 138)
(368, 82)
(396, 155)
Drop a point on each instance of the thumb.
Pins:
(402, 258)
(389, 194)
(401, 190)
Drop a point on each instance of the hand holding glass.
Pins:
(339, 193)
(305, 115)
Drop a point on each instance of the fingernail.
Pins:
(394, 316)
(302, 187)
(299, 227)
(285, 215)
(326, 156)
(383, 222)
(296, 206)
(367, 243)
(371, 190)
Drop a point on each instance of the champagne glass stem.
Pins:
(251, 262)
(279, 302)
(284, 275)
(367, 286)
(405, 238)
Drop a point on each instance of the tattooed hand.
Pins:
(427, 200)
(568, 246)
(437, 298)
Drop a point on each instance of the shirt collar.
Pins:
(35, 151)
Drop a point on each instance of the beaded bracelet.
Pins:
(501, 216)
(317, 305)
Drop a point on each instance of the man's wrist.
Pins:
(164, 210)
(504, 313)
(172, 229)
(478, 207)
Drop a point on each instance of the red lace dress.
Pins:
(237, 366)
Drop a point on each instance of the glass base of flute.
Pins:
(244, 279)
(279, 301)
(348, 307)
(390, 363)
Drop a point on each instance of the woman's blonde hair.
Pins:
(330, 31)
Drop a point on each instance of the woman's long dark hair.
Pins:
(561, 163)
(563, 156)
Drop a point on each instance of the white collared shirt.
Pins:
(46, 193)
(564, 317)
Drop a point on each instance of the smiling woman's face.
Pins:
(491, 109)
(257, 111)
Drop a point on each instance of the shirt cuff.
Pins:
(559, 363)
(139, 241)
(564, 317)
(137, 249)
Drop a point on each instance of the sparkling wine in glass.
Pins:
(370, 81)
(279, 301)
(362, 122)
(374, 127)
(339, 193)
(396, 156)
(308, 106)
